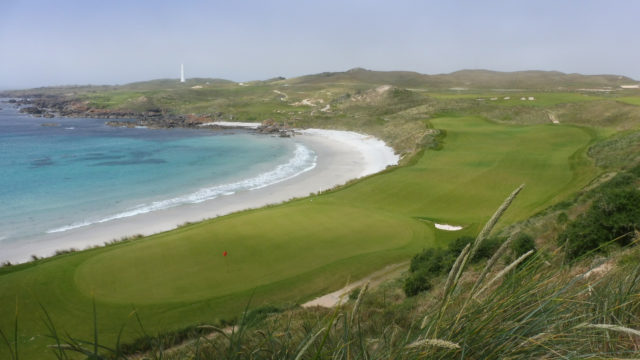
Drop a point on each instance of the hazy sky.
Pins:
(113, 42)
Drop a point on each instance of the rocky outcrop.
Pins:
(33, 110)
(51, 106)
(270, 126)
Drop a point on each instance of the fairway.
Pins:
(289, 253)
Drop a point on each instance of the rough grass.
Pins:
(620, 150)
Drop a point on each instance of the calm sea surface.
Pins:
(81, 172)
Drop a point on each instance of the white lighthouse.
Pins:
(181, 73)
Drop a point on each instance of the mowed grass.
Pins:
(541, 99)
(480, 163)
(289, 253)
(262, 246)
(633, 100)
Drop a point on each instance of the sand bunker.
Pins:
(447, 227)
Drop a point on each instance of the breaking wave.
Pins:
(303, 160)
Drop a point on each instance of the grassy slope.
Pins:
(291, 252)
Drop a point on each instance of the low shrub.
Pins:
(613, 215)
(417, 283)
(522, 244)
(434, 262)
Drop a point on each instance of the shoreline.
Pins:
(341, 156)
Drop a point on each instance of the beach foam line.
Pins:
(303, 160)
(377, 154)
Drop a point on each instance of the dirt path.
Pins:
(284, 96)
(340, 296)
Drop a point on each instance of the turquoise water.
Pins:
(81, 172)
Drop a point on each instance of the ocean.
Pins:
(64, 173)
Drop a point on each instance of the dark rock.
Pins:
(31, 110)
(127, 124)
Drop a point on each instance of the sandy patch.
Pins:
(308, 102)
(341, 296)
(599, 271)
(447, 227)
(382, 89)
(284, 96)
(376, 154)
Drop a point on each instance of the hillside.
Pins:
(469, 79)
(466, 79)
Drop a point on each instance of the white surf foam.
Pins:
(302, 161)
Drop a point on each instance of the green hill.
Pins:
(470, 79)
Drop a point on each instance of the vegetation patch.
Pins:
(614, 216)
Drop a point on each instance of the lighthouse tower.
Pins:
(181, 73)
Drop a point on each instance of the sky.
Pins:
(67, 42)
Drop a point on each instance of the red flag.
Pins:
(224, 253)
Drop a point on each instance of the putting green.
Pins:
(263, 247)
(292, 252)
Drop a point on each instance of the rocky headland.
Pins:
(50, 106)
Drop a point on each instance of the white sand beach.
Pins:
(341, 156)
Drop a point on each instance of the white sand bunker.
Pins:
(447, 227)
